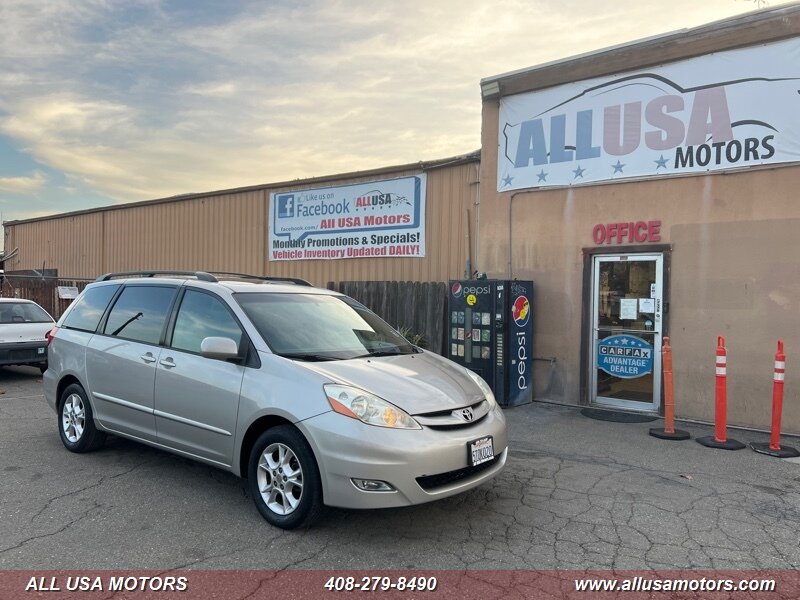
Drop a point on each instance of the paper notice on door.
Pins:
(647, 305)
(627, 308)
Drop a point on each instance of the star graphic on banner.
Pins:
(625, 342)
(507, 180)
(542, 176)
(661, 162)
(579, 172)
(618, 167)
(616, 341)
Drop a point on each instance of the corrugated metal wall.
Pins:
(75, 242)
(228, 232)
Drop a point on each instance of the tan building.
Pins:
(651, 190)
(227, 231)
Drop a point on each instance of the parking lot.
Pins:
(576, 493)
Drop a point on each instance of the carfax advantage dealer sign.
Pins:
(726, 110)
(372, 219)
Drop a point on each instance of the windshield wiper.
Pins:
(384, 353)
(308, 356)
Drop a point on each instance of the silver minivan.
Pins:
(303, 391)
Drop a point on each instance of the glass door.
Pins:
(626, 331)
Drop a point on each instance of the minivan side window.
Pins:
(201, 316)
(140, 312)
(85, 313)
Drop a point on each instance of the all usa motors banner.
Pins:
(376, 218)
(725, 110)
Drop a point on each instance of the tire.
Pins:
(76, 421)
(43, 368)
(296, 500)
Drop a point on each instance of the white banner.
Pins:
(376, 218)
(721, 111)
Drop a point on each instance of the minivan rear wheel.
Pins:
(283, 478)
(76, 421)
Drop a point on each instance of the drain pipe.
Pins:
(511, 229)
(474, 259)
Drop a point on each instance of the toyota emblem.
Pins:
(466, 414)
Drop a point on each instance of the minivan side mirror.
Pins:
(221, 348)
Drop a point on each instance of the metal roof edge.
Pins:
(473, 156)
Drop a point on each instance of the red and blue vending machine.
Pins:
(490, 327)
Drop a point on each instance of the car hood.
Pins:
(417, 383)
(24, 332)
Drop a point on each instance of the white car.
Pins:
(23, 333)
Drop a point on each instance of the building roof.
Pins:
(421, 165)
(761, 26)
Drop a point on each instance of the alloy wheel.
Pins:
(280, 479)
(73, 418)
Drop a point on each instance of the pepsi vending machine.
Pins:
(491, 332)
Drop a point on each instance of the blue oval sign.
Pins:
(625, 356)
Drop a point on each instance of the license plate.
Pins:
(480, 451)
(40, 350)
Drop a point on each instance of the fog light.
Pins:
(372, 485)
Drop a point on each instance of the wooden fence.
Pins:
(42, 290)
(419, 308)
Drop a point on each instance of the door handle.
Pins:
(148, 357)
(167, 362)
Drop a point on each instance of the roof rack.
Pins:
(294, 280)
(200, 275)
(203, 276)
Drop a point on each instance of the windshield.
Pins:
(23, 312)
(321, 327)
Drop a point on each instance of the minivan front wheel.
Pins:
(76, 422)
(284, 479)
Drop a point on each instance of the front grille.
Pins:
(445, 419)
(431, 482)
(463, 425)
(448, 412)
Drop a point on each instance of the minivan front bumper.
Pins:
(421, 465)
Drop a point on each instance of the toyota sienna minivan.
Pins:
(303, 391)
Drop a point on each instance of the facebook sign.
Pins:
(286, 205)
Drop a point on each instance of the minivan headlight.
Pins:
(487, 391)
(366, 407)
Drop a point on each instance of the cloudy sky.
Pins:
(111, 101)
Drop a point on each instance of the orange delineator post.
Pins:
(774, 447)
(777, 397)
(721, 398)
(669, 397)
(720, 437)
(669, 432)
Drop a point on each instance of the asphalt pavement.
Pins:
(576, 493)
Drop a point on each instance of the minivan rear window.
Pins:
(140, 313)
(85, 313)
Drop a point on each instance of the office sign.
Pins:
(721, 111)
(372, 219)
